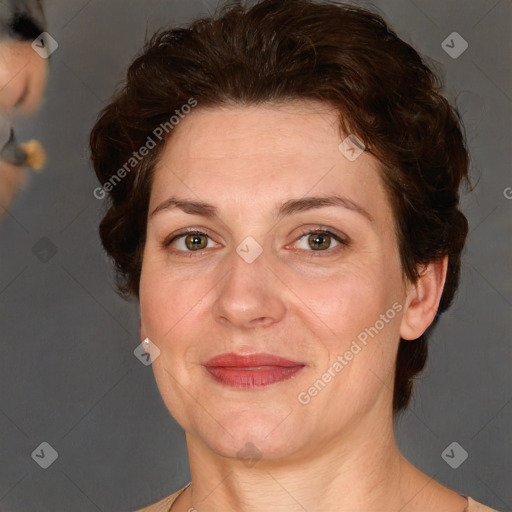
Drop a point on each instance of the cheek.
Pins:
(174, 305)
(344, 299)
(37, 80)
(164, 301)
(12, 83)
(351, 298)
(362, 310)
(361, 306)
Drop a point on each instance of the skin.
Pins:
(23, 77)
(21, 69)
(338, 452)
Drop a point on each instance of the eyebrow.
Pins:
(288, 208)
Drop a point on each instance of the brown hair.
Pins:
(281, 50)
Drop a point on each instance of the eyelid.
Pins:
(326, 230)
(185, 231)
(342, 239)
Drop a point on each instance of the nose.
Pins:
(250, 295)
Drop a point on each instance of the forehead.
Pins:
(262, 154)
(247, 132)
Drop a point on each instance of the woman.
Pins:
(284, 206)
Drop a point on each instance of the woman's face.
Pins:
(255, 283)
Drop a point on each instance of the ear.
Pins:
(423, 299)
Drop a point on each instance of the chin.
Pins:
(252, 449)
(252, 435)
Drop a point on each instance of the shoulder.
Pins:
(164, 504)
(475, 506)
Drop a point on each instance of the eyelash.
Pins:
(343, 241)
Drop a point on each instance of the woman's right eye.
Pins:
(190, 241)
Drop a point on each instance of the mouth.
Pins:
(251, 371)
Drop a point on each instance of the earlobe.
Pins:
(423, 299)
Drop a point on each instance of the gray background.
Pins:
(68, 375)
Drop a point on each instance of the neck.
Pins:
(362, 470)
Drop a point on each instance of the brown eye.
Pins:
(189, 242)
(195, 241)
(319, 241)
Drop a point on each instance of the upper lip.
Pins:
(250, 360)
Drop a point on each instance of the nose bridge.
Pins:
(247, 277)
(247, 292)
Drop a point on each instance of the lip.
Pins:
(251, 370)
(250, 360)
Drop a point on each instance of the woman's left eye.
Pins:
(320, 240)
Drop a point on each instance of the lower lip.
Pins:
(252, 378)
